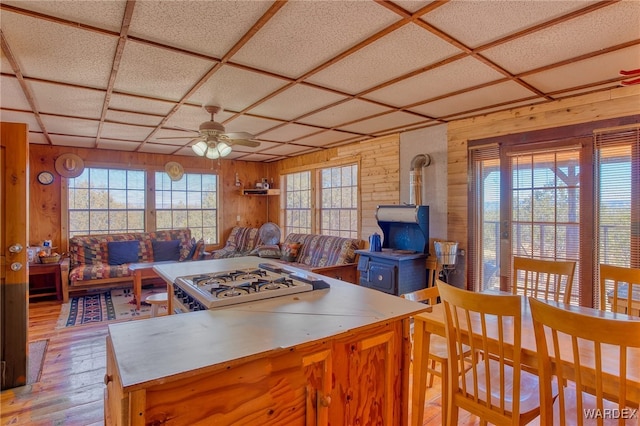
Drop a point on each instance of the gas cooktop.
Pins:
(213, 290)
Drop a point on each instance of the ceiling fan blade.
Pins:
(244, 142)
(180, 137)
(238, 135)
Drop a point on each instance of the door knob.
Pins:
(16, 248)
(16, 266)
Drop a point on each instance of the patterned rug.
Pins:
(114, 305)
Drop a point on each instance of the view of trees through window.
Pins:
(103, 201)
(334, 212)
(191, 202)
(339, 201)
(298, 203)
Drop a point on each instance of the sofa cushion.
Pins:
(324, 250)
(99, 271)
(166, 250)
(271, 251)
(241, 241)
(121, 252)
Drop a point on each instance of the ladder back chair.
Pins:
(586, 342)
(543, 279)
(495, 388)
(616, 295)
(437, 347)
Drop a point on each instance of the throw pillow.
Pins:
(269, 251)
(192, 250)
(198, 253)
(166, 250)
(121, 252)
(290, 251)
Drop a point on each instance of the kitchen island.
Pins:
(333, 356)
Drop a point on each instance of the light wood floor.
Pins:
(71, 387)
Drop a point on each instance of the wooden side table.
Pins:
(52, 274)
(138, 272)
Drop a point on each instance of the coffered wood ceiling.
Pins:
(300, 75)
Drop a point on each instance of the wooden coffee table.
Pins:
(139, 271)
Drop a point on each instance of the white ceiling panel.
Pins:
(404, 50)
(21, 117)
(58, 52)
(326, 138)
(613, 25)
(304, 25)
(491, 95)
(100, 14)
(587, 89)
(190, 117)
(74, 141)
(70, 126)
(133, 118)
(580, 73)
(394, 120)
(123, 131)
(412, 5)
(151, 71)
(207, 27)
(286, 149)
(476, 23)
(12, 95)
(305, 99)
(71, 101)
(455, 76)
(288, 133)
(38, 138)
(234, 88)
(5, 65)
(250, 124)
(498, 108)
(138, 104)
(260, 157)
(345, 112)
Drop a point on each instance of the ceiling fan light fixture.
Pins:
(200, 148)
(212, 153)
(223, 149)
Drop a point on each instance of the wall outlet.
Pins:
(238, 218)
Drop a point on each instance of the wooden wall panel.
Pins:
(617, 102)
(46, 202)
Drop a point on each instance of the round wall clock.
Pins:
(45, 178)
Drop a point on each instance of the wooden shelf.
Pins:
(261, 192)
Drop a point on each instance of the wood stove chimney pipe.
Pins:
(415, 178)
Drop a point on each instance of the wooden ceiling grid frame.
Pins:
(449, 69)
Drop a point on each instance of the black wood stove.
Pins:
(401, 265)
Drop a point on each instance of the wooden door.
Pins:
(14, 275)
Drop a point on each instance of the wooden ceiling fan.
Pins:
(213, 141)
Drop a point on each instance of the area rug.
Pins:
(113, 305)
(37, 351)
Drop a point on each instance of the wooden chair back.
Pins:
(424, 295)
(432, 271)
(587, 340)
(494, 388)
(616, 284)
(543, 279)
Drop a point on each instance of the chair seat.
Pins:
(529, 388)
(588, 404)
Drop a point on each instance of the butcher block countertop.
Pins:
(158, 349)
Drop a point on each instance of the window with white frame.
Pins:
(298, 203)
(191, 202)
(106, 201)
(339, 201)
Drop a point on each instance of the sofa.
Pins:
(327, 255)
(242, 241)
(102, 261)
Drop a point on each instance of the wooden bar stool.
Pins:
(156, 300)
